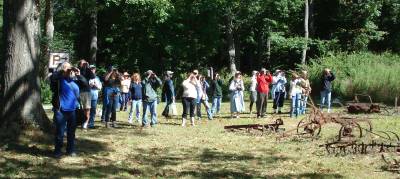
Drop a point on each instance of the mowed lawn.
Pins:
(204, 151)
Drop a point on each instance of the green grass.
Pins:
(203, 151)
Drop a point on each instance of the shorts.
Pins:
(86, 100)
(253, 96)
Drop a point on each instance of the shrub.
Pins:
(360, 73)
(45, 92)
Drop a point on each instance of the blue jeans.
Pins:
(135, 104)
(124, 102)
(216, 104)
(92, 113)
(111, 109)
(326, 99)
(64, 121)
(303, 104)
(207, 106)
(295, 109)
(152, 107)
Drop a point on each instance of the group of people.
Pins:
(80, 87)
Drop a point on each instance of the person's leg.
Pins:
(258, 104)
(208, 109)
(153, 111)
(131, 111)
(293, 106)
(138, 105)
(71, 127)
(145, 108)
(198, 109)
(262, 104)
(60, 124)
(298, 100)
(219, 102)
(276, 101)
(192, 106)
(328, 97)
(186, 106)
(322, 99)
(265, 104)
(281, 100)
(213, 105)
(114, 112)
(92, 113)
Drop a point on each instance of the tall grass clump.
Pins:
(359, 73)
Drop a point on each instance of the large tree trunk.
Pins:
(306, 16)
(20, 104)
(311, 18)
(231, 47)
(93, 35)
(269, 45)
(48, 37)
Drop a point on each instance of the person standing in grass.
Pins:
(113, 92)
(149, 87)
(135, 97)
(65, 99)
(263, 80)
(253, 91)
(85, 89)
(96, 86)
(203, 98)
(326, 88)
(189, 97)
(237, 103)
(216, 88)
(306, 91)
(125, 84)
(168, 93)
(295, 95)
(279, 90)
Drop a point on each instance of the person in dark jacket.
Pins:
(168, 93)
(326, 88)
(216, 88)
(64, 101)
(150, 98)
(85, 95)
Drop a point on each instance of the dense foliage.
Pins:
(360, 73)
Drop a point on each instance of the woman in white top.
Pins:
(237, 103)
(189, 97)
(253, 91)
(278, 90)
(125, 85)
(295, 95)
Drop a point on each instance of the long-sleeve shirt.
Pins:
(96, 86)
(125, 84)
(149, 87)
(279, 84)
(216, 87)
(253, 85)
(327, 82)
(263, 83)
(136, 91)
(168, 89)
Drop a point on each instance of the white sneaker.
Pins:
(85, 125)
(183, 122)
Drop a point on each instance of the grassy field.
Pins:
(204, 151)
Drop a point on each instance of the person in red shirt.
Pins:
(263, 81)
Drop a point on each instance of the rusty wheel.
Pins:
(312, 129)
(350, 131)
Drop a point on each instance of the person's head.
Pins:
(202, 78)
(238, 75)
(295, 76)
(254, 73)
(196, 72)
(304, 74)
(93, 69)
(326, 71)
(126, 75)
(67, 70)
(149, 73)
(216, 76)
(136, 77)
(83, 63)
(263, 71)
(168, 74)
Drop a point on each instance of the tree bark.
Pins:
(20, 104)
(269, 45)
(306, 33)
(48, 36)
(311, 18)
(93, 35)
(231, 47)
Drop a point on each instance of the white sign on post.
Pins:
(57, 58)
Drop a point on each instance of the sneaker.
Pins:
(85, 125)
(114, 125)
(73, 154)
(57, 155)
(130, 121)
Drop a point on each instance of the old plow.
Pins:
(257, 129)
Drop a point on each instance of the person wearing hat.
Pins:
(278, 90)
(149, 87)
(168, 93)
(263, 80)
(237, 102)
(125, 85)
(253, 91)
(96, 86)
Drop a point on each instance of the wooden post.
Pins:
(395, 104)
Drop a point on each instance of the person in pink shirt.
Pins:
(263, 81)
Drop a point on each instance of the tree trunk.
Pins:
(311, 18)
(231, 47)
(48, 36)
(306, 16)
(93, 35)
(260, 48)
(20, 104)
(269, 45)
